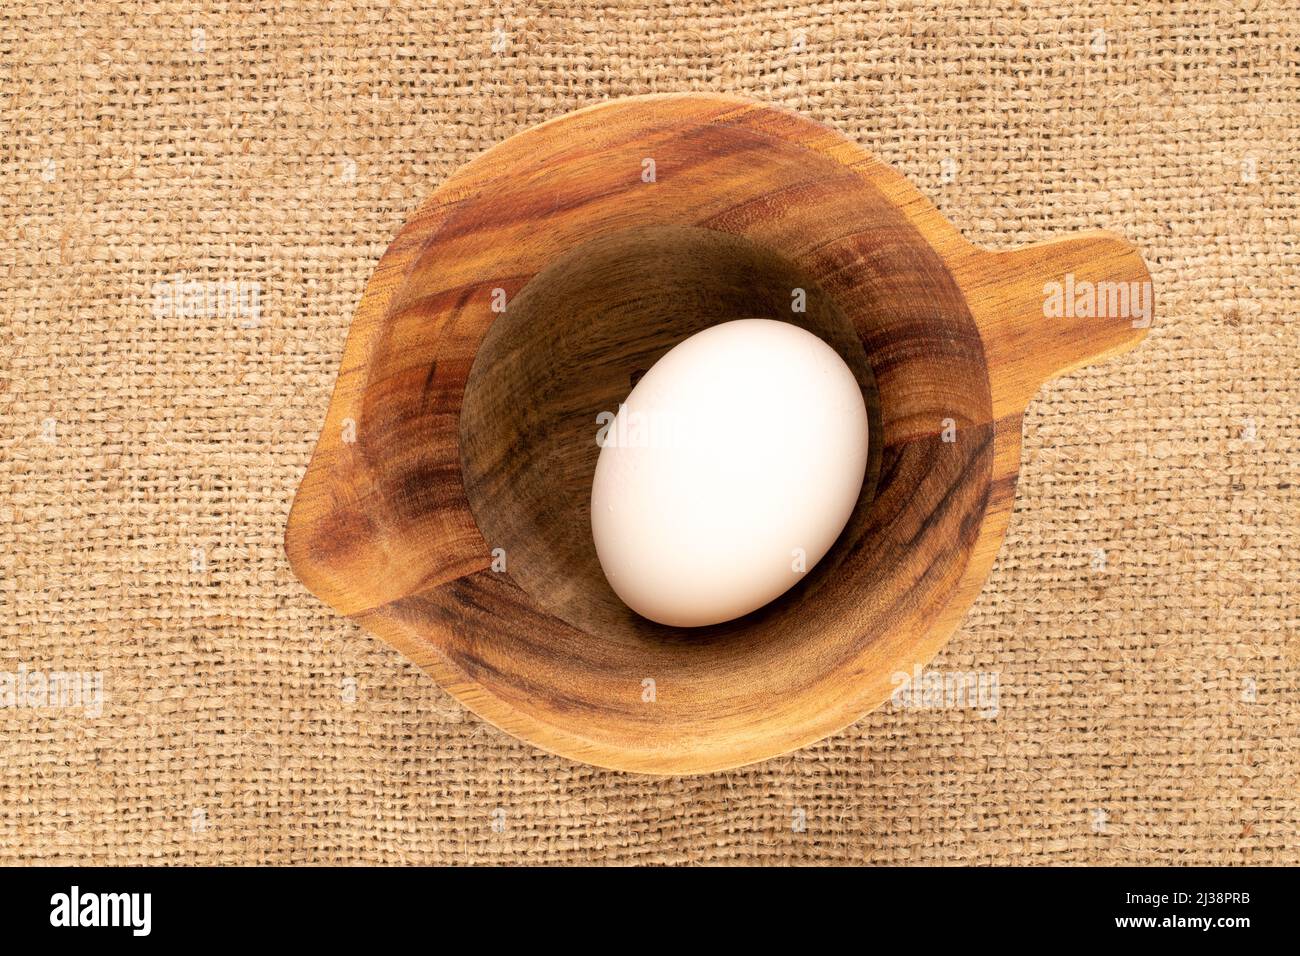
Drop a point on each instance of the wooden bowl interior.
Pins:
(571, 346)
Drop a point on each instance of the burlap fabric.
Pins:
(157, 416)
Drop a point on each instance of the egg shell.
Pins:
(728, 473)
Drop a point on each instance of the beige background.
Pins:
(135, 149)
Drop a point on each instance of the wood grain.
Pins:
(475, 429)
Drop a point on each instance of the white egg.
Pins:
(728, 473)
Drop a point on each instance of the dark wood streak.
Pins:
(428, 380)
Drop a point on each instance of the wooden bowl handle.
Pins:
(1050, 307)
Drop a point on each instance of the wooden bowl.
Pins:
(446, 507)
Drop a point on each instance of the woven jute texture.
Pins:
(256, 158)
